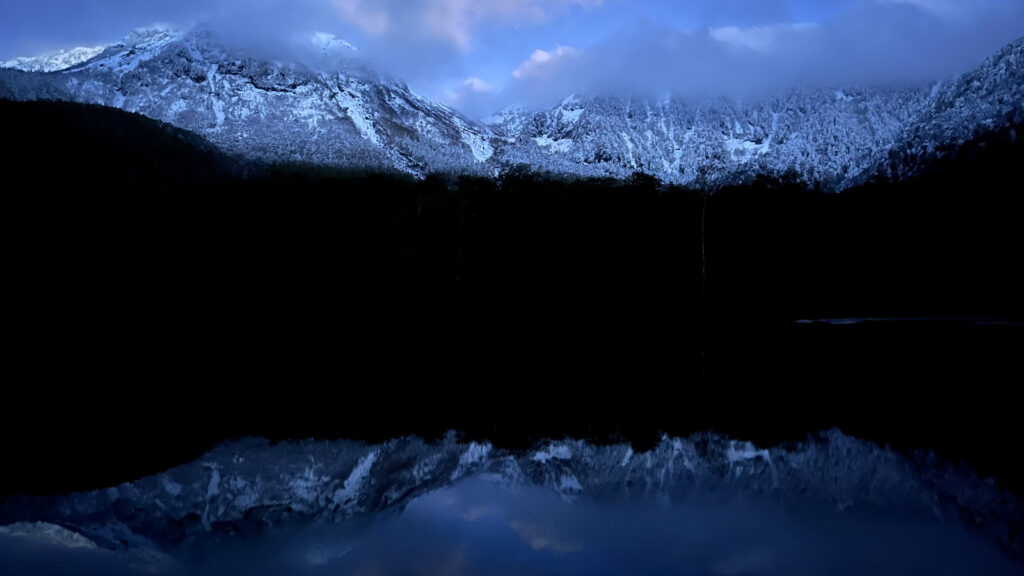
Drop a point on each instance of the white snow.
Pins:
(177, 107)
(553, 452)
(170, 486)
(479, 145)
(218, 110)
(743, 451)
(571, 117)
(55, 61)
(212, 489)
(569, 483)
(745, 150)
(348, 493)
(561, 146)
(627, 457)
(474, 455)
(629, 145)
(352, 103)
(309, 109)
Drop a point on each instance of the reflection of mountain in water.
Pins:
(252, 488)
(479, 527)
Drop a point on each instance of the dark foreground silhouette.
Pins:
(153, 283)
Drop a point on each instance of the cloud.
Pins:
(365, 15)
(454, 21)
(478, 86)
(542, 62)
(473, 96)
(756, 38)
(873, 42)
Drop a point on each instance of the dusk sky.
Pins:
(481, 55)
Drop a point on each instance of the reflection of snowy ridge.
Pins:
(252, 485)
(47, 533)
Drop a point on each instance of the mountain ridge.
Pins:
(333, 110)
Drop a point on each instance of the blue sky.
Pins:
(479, 55)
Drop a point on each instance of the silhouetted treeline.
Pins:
(145, 264)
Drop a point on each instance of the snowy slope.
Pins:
(984, 100)
(823, 136)
(835, 138)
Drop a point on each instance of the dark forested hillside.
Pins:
(154, 282)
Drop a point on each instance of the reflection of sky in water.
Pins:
(482, 529)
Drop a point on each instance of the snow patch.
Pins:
(629, 145)
(745, 150)
(474, 455)
(170, 486)
(627, 457)
(743, 451)
(352, 103)
(213, 488)
(561, 146)
(480, 146)
(571, 117)
(347, 494)
(553, 452)
(569, 483)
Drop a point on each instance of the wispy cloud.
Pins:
(873, 42)
(542, 62)
(454, 21)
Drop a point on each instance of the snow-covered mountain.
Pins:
(327, 108)
(336, 113)
(254, 487)
(823, 136)
(983, 100)
(54, 62)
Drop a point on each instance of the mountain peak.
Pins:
(152, 35)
